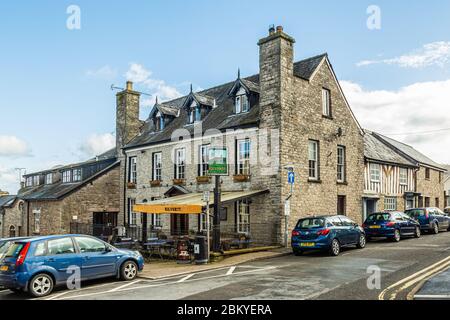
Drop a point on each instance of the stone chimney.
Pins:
(127, 116)
(276, 70)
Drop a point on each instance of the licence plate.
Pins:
(307, 244)
(4, 268)
(375, 227)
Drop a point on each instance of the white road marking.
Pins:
(164, 284)
(229, 272)
(186, 278)
(124, 286)
(54, 296)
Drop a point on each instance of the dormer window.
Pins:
(241, 104)
(49, 178)
(160, 121)
(195, 114)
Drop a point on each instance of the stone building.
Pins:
(77, 198)
(447, 185)
(11, 216)
(290, 114)
(398, 177)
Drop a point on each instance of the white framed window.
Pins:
(29, 182)
(203, 163)
(49, 178)
(36, 181)
(243, 216)
(341, 161)
(375, 172)
(180, 163)
(243, 156)
(67, 176)
(241, 104)
(313, 159)
(403, 176)
(132, 216)
(390, 203)
(156, 220)
(132, 170)
(76, 174)
(37, 221)
(157, 166)
(326, 102)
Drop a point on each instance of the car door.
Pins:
(97, 260)
(410, 224)
(402, 224)
(339, 229)
(441, 218)
(351, 230)
(60, 255)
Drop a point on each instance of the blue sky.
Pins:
(56, 105)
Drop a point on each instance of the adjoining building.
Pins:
(398, 177)
(76, 198)
(290, 114)
(11, 215)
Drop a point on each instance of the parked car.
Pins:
(431, 219)
(326, 233)
(38, 265)
(393, 225)
(447, 211)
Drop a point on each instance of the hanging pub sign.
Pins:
(218, 161)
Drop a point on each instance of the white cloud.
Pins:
(409, 111)
(157, 88)
(431, 54)
(13, 147)
(97, 144)
(105, 72)
(9, 179)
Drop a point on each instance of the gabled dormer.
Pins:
(162, 115)
(197, 106)
(245, 94)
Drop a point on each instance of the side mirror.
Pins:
(108, 249)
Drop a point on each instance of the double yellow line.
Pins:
(413, 279)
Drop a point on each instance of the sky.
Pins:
(60, 58)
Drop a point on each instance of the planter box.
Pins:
(203, 179)
(155, 183)
(241, 178)
(179, 182)
(131, 185)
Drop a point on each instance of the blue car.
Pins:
(392, 225)
(431, 219)
(326, 233)
(38, 265)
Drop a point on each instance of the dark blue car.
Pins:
(326, 233)
(38, 265)
(431, 219)
(392, 225)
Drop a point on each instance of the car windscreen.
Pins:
(311, 223)
(414, 213)
(14, 249)
(379, 217)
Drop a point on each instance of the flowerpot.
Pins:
(241, 178)
(179, 181)
(131, 185)
(155, 183)
(203, 179)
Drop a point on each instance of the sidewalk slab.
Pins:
(437, 287)
(159, 270)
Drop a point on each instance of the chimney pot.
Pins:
(271, 29)
(129, 86)
(279, 29)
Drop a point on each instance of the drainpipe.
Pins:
(125, 189)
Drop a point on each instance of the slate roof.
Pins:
(58, 190)
(375, 149)
(6, 201)
(222, 117)
(409, 152)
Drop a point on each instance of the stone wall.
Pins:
(99, 195)
(12, 220)
(432, 188)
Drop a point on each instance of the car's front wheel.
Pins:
(335, 248)
(362, 242)
(435, 229)
(417, 234)
(397, 237)
(41, 285)
(129, 270)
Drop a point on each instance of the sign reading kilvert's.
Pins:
(218, 162)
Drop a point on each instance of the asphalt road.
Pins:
(402, 267)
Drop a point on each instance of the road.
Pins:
(402, 265)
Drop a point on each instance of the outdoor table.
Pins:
(155, 247)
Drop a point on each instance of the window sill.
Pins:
(342, 183)
(327, 117)
(314, 181)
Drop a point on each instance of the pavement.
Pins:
(435, 288)
(383, 270)
(158, 269)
